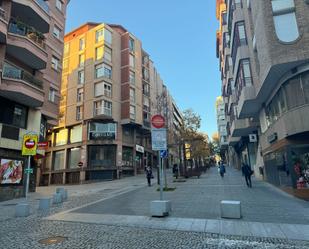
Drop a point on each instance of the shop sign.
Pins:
(101, 135)
(272, 138)
(139, 148)
(158, 137)
(42, 145)
(29, 171)
(29, 145)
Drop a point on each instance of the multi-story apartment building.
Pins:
(110, 89)
(31, 37)
(264, 52)
(221, 123)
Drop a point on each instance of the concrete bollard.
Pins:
(230, 209)
(44, 203)
(160, 208)
(62, 192)
(65, 197)
(22, 210)
(57, 198)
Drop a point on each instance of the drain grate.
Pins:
(52, 240)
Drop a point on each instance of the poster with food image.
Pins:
(11, 171)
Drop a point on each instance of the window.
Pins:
(81, 60)
(102, 130)
(132, 95)
(239, 38)
(145, 73)
(58, 162)
(79, 113)
(146, 89)
(99, 53)
(76, 134)
(131, 45)
(146, 104)
(103, 70)
(132, 77)
(102, 156)
(82, 44)
(132, 112)
(243, 76)
(74, 158)
(13, 113)
(107, 54)
(102, 88)
(80, 94)
(51, 95)
(103, 107)
(56, 32)
(99, 35)
(61, 137)
(132, 61)
(81, 77)
(285, 20)
(107, 90)
(59, 5)
(107, 36)
(55, 63)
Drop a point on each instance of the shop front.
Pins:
(288, 167)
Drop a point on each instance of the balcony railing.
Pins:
(102, 111)
(12, 72)
(29, 32)
(43, 5)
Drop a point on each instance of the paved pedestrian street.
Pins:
(116, 215)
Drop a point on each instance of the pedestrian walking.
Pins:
(175, 170)
(247, 172)
(221, 169)
(149, 175)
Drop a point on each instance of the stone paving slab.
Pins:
(223, 227)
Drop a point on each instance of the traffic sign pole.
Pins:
(161, 177)
(28, 176)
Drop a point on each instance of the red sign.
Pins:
(42, 145)
(80, 164)
(158, 121)
(29, 143)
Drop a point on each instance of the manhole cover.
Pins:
(52, 240)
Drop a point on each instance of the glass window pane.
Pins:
(282, 5)
(99, 53)
(305, 82)
(58, 162)
(286, 27)
(74, 158)
(107, 36)
(98, 89)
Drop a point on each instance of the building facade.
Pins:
(221, 123)
(264, 53)
(31, 37)
(110, 89)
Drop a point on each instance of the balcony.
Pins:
(33, 12)
(3, 25)
(243, 127)
(27, 45)
(20, 86)
(245, 107)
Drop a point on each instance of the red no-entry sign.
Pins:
(158, 121)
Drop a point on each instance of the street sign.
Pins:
(163, 153)
(29, 145)
(42, 145)
(29, 171)
(158, 121)
(158, 137)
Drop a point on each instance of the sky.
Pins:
(179, 36)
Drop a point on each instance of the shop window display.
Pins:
(301, 169)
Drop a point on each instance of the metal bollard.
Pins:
(22, 210)
(44, 203)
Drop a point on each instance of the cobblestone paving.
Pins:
(20, 233)
(25, 233)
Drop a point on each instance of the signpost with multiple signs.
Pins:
(159, 142)
(29, 147)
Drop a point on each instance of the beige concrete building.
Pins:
(31, 37)
(264, 60)
(110, 90)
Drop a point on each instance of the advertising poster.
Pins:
(11, 171)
